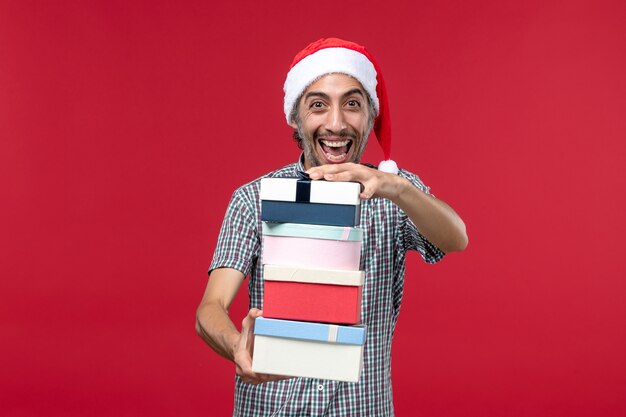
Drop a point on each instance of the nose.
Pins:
(335, 121)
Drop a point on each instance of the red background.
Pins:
(125, 126)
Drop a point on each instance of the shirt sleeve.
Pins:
(238, 245)
(413, 239)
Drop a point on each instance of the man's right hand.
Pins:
(216, 328)
(242, 354)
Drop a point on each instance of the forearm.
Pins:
(434, 219)
(215, 327)
(212, 321)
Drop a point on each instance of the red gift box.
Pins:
(308, 294)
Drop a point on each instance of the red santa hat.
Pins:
(333, 55)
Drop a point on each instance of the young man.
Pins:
(334, 95)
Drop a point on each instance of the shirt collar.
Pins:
(300, 164)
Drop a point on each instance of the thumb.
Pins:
(247, 325)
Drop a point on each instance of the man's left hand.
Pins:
(434, 219)
(374, 183)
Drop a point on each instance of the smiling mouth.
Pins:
(335, 150)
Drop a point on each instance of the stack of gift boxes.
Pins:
(312, 289)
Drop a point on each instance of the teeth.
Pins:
(335, 158)
(335, 144)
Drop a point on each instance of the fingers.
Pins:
(244, 349)
(258, 378)
(323, 171)
(342, 172)
(369, 178)
(243, 367)
(250, 377)
(374, 183)
(247, 324)
(367, 191)
(254, 313)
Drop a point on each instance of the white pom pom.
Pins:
(389, 166)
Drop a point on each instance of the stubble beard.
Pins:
(309, 145)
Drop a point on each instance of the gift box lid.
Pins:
(313, 231)
(308, 191)
(313, 275)
(303, 330)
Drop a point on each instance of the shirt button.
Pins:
(320, 387)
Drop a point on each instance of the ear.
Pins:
(293, 124)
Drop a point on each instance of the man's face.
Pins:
(333, 120)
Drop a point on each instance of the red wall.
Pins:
(125, 126)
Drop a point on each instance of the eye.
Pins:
(353, 103)
(316, 105)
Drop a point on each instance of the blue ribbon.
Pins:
(303, 188)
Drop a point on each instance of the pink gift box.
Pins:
(313, 246)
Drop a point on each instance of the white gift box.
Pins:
(328, 192)
(297, 200)
(311, 350)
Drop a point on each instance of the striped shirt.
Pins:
(388, 235)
